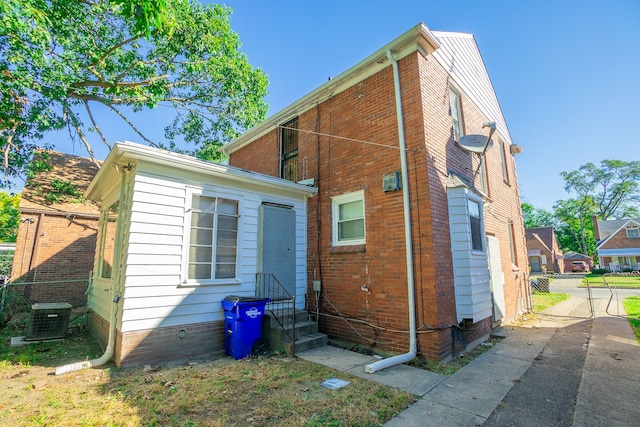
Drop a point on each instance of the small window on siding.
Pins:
(348, 219)
(456, 113)
(213, 239)
(475, 221)
(633, 233)
(512, 244)
(108, 241)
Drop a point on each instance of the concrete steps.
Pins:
(277, 335)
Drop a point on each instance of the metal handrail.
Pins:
(281, 304)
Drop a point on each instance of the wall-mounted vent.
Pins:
(392, 182)
(49, 321)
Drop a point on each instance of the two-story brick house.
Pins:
(414, 243)
(618, 243)
(543, 250)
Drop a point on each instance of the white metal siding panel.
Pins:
(470, 269)
(153, 295)
(459, 55)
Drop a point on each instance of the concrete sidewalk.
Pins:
(580, 373)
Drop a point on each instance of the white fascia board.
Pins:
(128, 152)
(418, 38)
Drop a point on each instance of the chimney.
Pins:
(596, 230)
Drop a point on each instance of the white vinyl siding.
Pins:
(470, 267)
(156, 289)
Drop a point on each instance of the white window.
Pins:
(503, 162)
(512, 246)
(475, 221)
(213, 239)
(108, 241)
(633, 233)
(482, 171)
(348, 219)
(456, 113)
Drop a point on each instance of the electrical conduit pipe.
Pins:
(413, 349)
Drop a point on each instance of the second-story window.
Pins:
(456, 113)
(289, 150)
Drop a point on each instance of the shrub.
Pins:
(600, 271)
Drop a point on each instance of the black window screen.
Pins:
(289, 149)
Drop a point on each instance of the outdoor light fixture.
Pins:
(516, 149)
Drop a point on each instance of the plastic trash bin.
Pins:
(242, 324)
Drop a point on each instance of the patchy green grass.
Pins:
(621, 282)
(632, 307)
(259, 391)
(544, 300)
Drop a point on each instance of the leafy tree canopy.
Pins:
(613, 188)
(9, 217)
(536, 217)
(61, 58)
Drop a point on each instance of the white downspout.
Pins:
(413, 348)
(111, 343)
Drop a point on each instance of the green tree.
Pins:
(613, 187)
(536, 217)
(9, 217)
(59, 59)
(574, 226)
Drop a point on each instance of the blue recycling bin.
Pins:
(242, 324)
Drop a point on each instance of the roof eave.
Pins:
(126, 152)
(418, 38)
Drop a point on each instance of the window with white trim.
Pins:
(108, 240)
(503, 162)
(456, 113)
(475, 222)
(213, 239)
(633, 233)
(348, 219)
(512, 246)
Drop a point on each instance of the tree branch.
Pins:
(135, 129)
(95, 125)
(107, 85)
(114, 48)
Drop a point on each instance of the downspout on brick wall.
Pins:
(413, 348)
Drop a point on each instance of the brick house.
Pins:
(618, 243)
(387, 190)
(57, 234)
(543, 250)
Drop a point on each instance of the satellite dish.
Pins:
(475, 143)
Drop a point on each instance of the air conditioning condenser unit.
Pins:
(49, 321)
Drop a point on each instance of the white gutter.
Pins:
(115, 295)
(413, 348)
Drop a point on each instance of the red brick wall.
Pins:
(367, 112)
(620, 240)
(55, 248)
(160, 345)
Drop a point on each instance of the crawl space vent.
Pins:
(49, 321)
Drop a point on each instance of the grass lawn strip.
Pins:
(266, 391)
(632, 307)
(622, 282)
(544, 300)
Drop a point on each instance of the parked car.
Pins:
(579, 266)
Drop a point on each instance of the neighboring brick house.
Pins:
(57, 234)
(465, 235)
(543, 251)
(618, 243)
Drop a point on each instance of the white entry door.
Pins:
(496, 278)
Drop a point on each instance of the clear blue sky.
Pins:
(566, 73)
